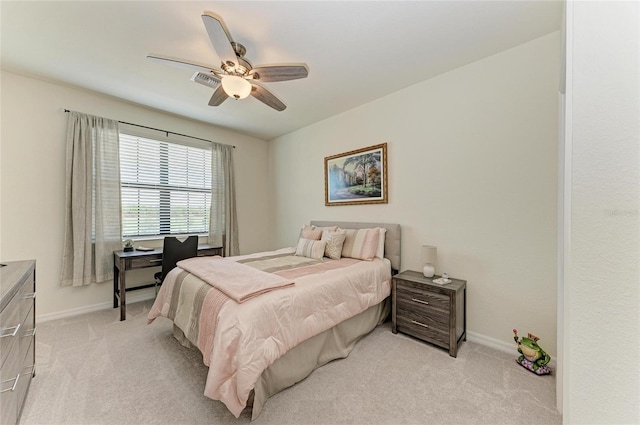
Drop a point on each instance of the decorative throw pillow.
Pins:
(361, 244)
(334, 241)
(381, 238)
(314, 232)
(329, 228)
(310, 232)
(310, 248)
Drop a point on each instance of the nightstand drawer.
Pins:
(424, 313)
(425, 330)
(426, 319)
(410, 297)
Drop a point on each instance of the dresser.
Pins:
(17, 336)
(431, 312)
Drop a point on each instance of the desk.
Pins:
(125, 261)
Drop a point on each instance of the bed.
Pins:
(259, 338)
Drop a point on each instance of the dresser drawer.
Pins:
(10, 324)
(9, 381)
(26, 374)
(27, 334)
(8, 405)
(27, 297)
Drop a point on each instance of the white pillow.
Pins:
(381, 238)
(335, 240)
(310, 248)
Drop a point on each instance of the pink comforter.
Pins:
(250, 336)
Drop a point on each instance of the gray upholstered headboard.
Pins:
(391, 242)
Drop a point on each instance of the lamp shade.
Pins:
(236, 87)
(429, 254)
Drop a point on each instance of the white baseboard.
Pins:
(133, 298)
(499, 345)
(491, 342)
(474, 337)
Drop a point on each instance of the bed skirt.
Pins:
(301, 360)
(298, 363)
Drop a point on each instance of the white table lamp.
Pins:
(429, 257)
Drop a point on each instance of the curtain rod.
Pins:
(163, 131)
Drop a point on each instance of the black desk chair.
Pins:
(173, 251)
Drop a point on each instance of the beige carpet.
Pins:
(94, 369)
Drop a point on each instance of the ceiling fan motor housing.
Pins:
(244, 66)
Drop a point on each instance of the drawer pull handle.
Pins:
(419, 301)
(30, 296)
(12, 334)
(30, 333)
(159, 260)
(420, 324)
(15, 382)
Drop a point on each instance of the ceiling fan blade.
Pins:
(181, 63)
(281, 72)
(220, 38)
(266, 97)
(218, 97)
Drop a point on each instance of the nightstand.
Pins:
(428, 311)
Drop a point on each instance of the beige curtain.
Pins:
(223, 223)
(93, 221)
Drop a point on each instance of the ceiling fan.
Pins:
(236, 77)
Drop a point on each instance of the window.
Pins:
(165, 187)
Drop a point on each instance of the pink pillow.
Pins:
(314, 232)
(310, 232)
(361, 244)
(381, 238)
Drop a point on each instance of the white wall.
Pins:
(1, 257)
(601, 306)
(472, 169)
(33, 181)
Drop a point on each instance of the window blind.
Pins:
(165, 187)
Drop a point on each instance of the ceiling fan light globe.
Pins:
(236, 87)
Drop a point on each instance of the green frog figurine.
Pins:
(532, 356)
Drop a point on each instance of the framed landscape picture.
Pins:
(356, 177)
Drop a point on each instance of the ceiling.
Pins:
(357, 51)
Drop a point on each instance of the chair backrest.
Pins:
(174, 250)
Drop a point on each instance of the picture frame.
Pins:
(356, 177)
